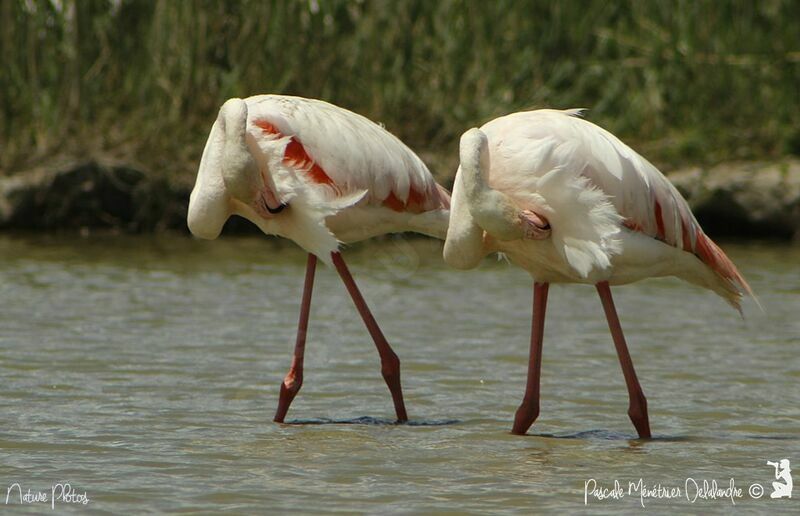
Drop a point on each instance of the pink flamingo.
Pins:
(319, 175)
(570, 203)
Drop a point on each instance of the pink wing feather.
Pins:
(662, 213)
(346, 152)
(642, 195)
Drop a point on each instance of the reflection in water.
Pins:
(367, 420)
(145, 371)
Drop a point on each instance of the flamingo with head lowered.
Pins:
(319, 175)
(570, 203)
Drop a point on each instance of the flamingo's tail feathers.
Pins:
(733, 284)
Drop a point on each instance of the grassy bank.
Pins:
(684, 81)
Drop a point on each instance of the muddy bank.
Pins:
(741, 200)
(745, 200)
(91, 194)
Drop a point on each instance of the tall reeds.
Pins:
(684, 81)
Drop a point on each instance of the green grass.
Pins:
(682, 81)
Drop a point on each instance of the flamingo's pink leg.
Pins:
(294, 378)
(390, 364)
(528, 411)
(637, 409)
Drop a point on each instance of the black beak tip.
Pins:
(277, 210)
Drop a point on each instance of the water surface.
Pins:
(145, 372)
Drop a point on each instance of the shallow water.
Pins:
(145, 372)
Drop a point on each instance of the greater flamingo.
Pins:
(570, 203)
(319, 175)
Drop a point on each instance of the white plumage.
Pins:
(613, 215)
(319, 175)
(570, 203)
(342, 177)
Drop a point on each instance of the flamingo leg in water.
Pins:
(390, 364)
(528, 411)
(294, 378)
(637, 409)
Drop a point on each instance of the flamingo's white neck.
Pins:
(240, 172)
(463, 246)
(492, 210)
(209, 203)
(472, 206)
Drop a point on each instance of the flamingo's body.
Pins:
(319, 175)
(343, 177)
(570, 203)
